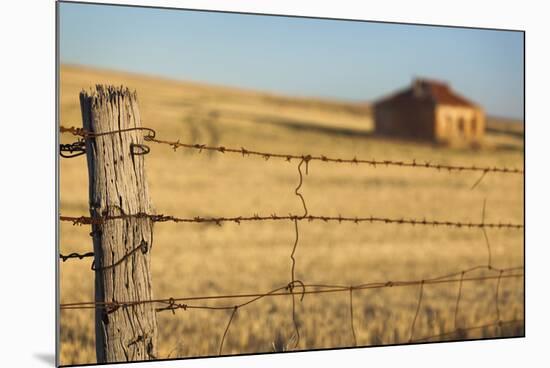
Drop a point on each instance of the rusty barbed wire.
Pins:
(75, 255)
(510, 272)
(81, 132)
(86, 220)
(289, 157)
(373, 162)
(143, 246)
(80, 146)
(72, 130)
(289, 288)
(173, 304)
(75, 149)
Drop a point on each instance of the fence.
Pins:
(102, 111)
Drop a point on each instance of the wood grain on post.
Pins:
(117, 185)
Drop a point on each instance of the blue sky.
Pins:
(359, 61)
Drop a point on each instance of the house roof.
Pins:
(432, 91)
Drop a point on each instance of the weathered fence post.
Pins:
(122, 247)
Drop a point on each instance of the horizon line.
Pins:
(335, 100)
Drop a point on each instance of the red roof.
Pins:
(433, 91)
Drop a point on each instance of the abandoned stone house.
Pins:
(429, 110)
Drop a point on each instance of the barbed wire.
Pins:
(75, 255)
(183, 303)
(173, 304)
(150, 137)
(81, 132)
(510, 272)
(143, 246)
(74, 149)
(86, 220)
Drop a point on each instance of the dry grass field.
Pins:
(198, 259)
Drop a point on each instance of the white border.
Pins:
(27, 186)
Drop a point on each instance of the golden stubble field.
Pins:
(198, 259)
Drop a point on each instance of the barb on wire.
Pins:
(80, 146)
(310, 289)
(172, 306)
(288, 157)
(75, 255)
(84, 220)
(74, 149)
(72, 130)
(80, 132)
(227, 328)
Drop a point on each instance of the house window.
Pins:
(461, 125)
(474, 125)
(447, 124)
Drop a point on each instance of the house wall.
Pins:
(459, 123)
(408, 119)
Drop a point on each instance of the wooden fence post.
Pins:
(122, 247)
